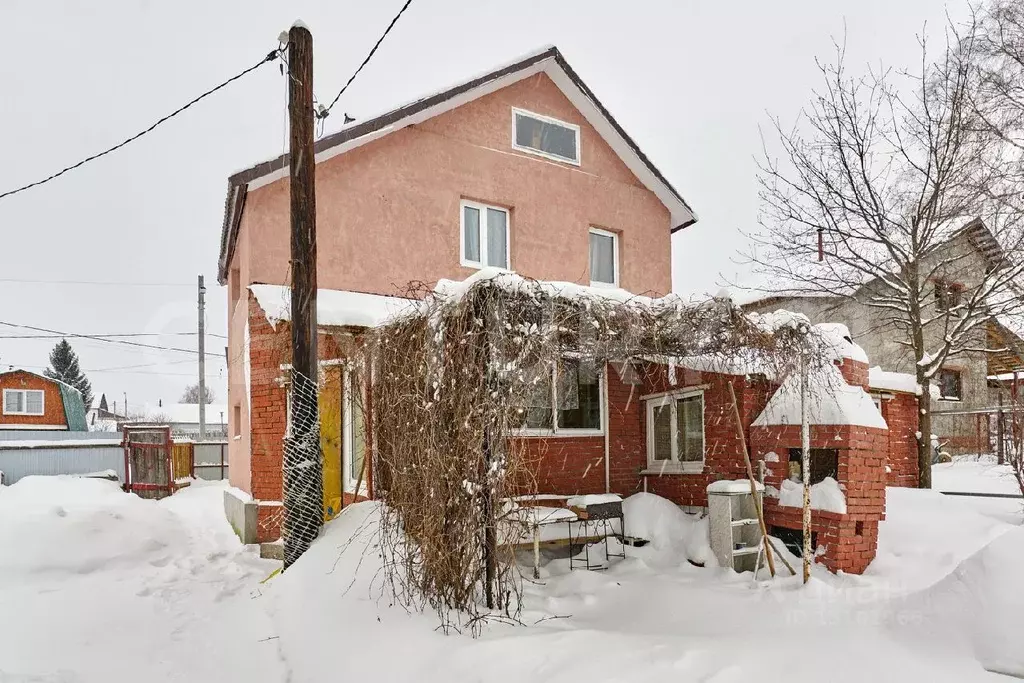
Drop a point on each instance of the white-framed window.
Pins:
(545, 136)
(23, 402)
(675, 432)
(604, 258)
(566, 400)
(484, 235)
(353, 439)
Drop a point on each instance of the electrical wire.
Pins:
(133, 334)
(271, 56)
(94, 282)
(324, 112)
(104, 339)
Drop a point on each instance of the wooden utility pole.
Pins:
(303, 478)
(202, 360)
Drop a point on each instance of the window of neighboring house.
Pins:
(236, 288)
(824, 463)
(237, 426)
(675, 432)
(565, 399)
(545, 136)
(947, 294)
(951, 386)
(604, 257)
(485, 235)
(23, 402)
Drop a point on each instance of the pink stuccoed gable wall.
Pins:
(388, 214)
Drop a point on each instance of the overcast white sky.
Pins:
(690, 81)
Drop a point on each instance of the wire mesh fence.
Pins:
(302, 469)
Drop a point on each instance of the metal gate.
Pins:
(155, 467)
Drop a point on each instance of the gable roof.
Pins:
(71, 397)
(548, 60)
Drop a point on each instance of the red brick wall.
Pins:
(53, 404)
(268, 350)
(901, 414)
(854, 372)
(573, 465)
(862, 457)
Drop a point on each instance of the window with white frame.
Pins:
(23, 402)
(545, 136)
(565, 399)
(604, 257)
(485, 235)
(675, 432)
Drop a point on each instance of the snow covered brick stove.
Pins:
(849, 443)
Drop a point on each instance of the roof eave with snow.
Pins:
(548, 60)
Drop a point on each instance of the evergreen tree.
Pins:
(64, 367)
(103, 403)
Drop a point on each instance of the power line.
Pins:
(101, 339)
(271, 56)
(106, 336)
(94, 282)
(324, 112)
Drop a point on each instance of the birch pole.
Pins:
(805, 446)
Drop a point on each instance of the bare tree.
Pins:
(191, 394)
(867, 197)
(1000, 60)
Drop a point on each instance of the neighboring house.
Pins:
(520, 169)
(36, 402)
(183, 419)
(962, 385)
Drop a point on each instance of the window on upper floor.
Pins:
(545, 136)
(485, 235)
(604, 257)
(235, 280)
(951, 386)
(948, 295)
(23, 402)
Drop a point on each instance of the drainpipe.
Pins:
(607, 429)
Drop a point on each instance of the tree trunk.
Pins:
(924, 443)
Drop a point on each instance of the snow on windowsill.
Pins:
(654, 470)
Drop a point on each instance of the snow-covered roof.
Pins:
(512, 281)
(334, 308)
(13, 369)
(546, 60)
(886, 380)
(831, 401)
(838, 340)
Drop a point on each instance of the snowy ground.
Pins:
(96, 585)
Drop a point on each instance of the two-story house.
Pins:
(520, 168)
(967, 385)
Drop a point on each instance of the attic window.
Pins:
(545, 136)
(947, 295)
(23, 402)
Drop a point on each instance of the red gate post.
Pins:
(127, 485)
